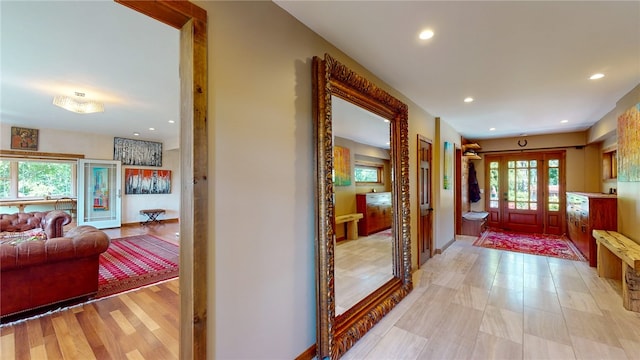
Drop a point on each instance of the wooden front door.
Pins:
(525, 191)
(425, 220)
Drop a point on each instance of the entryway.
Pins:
(525, 191)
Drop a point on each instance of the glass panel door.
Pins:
(525, 191)
(99, 198)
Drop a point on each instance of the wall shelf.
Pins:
(469, 151)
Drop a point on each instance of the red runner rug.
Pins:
(535, 244)
(136, 261)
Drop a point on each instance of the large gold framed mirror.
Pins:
(358, 125)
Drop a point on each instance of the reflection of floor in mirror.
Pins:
(361, 266)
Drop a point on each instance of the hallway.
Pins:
(477, 303)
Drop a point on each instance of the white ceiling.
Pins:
(105, 50)
(526, 63)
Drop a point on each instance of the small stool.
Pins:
(152, 215)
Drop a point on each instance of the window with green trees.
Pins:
(368, 174)
(36, 178)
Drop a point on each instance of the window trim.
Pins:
(378, 166)
(14, 157)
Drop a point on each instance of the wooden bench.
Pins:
(152, 215)
(352, 224)
(619, 258)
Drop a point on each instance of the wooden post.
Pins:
(609, 264)
(631, 289)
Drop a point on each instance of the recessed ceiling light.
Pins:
(564, 121)
(152, 129)
(136, 134)
(426, 34)
(596, 76)
(468, 99)
(171, 121)
(492, 129)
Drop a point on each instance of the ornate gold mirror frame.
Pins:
(335, 335)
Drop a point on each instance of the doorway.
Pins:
(191, 20)
(525, 191)
(425, 219)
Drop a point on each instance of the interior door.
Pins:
(525, 192)
(425, 221)
(99, 193)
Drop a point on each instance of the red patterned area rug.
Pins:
(136, 261)
(535, 244)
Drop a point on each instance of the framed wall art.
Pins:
(342, 166)
(447, 178)
(629, 145)
(137, 152)
(147, 181)
(24, 139)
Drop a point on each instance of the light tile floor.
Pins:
(477, 303)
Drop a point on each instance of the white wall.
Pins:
(444, 223)
(97, 146)
(261, 216)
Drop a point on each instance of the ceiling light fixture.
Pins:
(468, 99)
(136, 134)
(76, 104)
(152, 129)
(492, 129)
(564, 121)
(596, 76)
(426, 34)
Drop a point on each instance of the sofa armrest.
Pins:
(54, 222)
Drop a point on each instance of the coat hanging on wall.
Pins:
(474, 189)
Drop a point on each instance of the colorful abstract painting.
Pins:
(147, 181)
(629, 145)
(100, 189)
(341, 166)
(447, 179)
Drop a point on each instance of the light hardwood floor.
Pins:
(477, 303)
(142, 324)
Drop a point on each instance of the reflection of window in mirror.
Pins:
(610, 164)
(369, 174)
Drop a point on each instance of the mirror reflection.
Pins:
(362, 200)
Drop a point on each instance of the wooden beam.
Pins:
(39, 155)
(173, 13)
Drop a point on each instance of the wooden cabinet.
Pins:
(376, 208)
(586, 212)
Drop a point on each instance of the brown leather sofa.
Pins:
(40, 273)
(52, 222)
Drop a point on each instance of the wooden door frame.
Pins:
(191, 20)
(457, 220)
(431, 241)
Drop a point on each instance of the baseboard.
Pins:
(308, 354)
(439, 251)
(175, 220)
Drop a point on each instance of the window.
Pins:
(24, 179)
(610, 164)
(368, 173)
(522, 184)
(554, 185)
